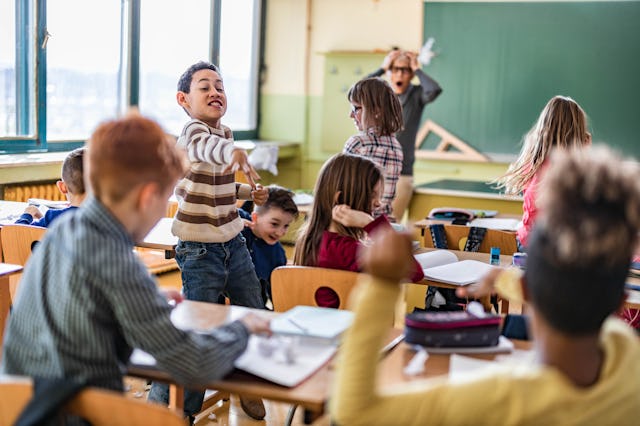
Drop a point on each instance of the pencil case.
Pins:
(451, 329)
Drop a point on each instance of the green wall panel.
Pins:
(499, 63)
(282, 118)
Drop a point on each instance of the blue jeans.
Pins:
(208, 271)
(212, 269)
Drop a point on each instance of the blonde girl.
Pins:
(562, 125)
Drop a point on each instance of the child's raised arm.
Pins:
(349, 217)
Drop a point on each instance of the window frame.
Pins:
(129, 73)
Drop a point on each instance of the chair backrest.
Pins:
(17, 242)
(297, 285)
(100, 407)
(457, 237)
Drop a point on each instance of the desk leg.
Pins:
(176, 397)
(5, 304)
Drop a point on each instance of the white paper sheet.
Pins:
(307, 358)
(458, 273)
(312, 321)
(435, 258)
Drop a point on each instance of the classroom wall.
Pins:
(292, 95)
(291, 103)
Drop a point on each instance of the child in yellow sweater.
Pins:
(587, 361)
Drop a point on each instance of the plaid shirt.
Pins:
(86, 301)
(387, 153)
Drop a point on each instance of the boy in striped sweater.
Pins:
(211, 251)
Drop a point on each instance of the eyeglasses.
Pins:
(402, 70)
(356, 109)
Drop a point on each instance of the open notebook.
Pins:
(292, 354)
(443, 266)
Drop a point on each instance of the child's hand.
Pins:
(256, 324)
(240, 161)
(390, 257)
(348, 217)
(504, 281)
(391, 56)
(34, 212)
(248, 224)
(260, 194)
(173, 296)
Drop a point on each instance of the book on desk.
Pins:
(444, 266)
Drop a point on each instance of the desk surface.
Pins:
(463, 188)
(160, 237)
(10, 211)
(7, 269)
(311, 394)
(391, 367)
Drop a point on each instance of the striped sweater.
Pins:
(207, 196)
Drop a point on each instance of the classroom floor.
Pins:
(230, 413)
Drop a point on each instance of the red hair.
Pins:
(130, 151)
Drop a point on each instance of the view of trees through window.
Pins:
(88, 67)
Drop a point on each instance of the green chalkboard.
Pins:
(499, 63)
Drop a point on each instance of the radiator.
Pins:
(23, 191)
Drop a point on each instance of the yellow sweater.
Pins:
(538, 395)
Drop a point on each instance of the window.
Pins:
(17, 94)
(239, 42)
(159, 71)
(83, 58)
(62, 73)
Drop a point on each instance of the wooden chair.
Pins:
(297, 285)
(98, 406)
(457, 236)
(17, 242)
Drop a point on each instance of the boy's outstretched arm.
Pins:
(240, 161)
(204, 146)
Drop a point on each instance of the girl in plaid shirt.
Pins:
(377, 114)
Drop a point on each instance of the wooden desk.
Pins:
(10, 211)
(160, 237)
(463, 194)
(423, 224)
(311, 394)
(390, 371)
(6, 270)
